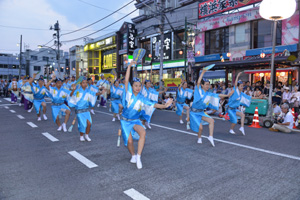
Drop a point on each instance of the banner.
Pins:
(290, 30)
(172, 84)
(212, 7)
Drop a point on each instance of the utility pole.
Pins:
(57, 29)
(185, 46)
(20, 58)
(162, 22)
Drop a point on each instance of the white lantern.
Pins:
(277, 9)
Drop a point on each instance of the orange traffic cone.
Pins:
(293, 113)
(255, 122)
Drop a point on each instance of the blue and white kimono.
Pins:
(134, 108)
(81, 100)
(27, 91)
(93, 88)
(151, 95)
(121, 85)
(181, 96)
(58, 97)
(202, 100)
(237, 99)
(115, 97)
(14, 86)
(39, 94)
(66, 86)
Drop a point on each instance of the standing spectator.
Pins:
(294, 102)
(286, 96)
(229, 88)
(224, 91)
(215, 88)
(248, 91)
(211, 88)
(246, 85)
(253, 87)
(294, 84)
(266, 89)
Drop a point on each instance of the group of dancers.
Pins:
(132, 103)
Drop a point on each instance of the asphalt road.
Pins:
(260, 165)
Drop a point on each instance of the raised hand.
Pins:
(169, 102)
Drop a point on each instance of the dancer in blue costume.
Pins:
(65, 84)
(202, 100)
(58, 96)
(237, 98)
(135, 105)
(92, 88)
(13, 88)
(115, 97)
(81, 99)
(20, 84)
(27, 92)
(39, 93)
(102, 84)
(182, 94)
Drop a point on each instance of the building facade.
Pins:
(78, 61)
(9, 66)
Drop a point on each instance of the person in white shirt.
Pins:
(276, 109)
(286, 96)
(295, 96)
(287, 125)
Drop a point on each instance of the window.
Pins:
(91, 70)
(73, 64)
(96, 71)
(45, 58)
(1, 66)
(178, 45)
(262, 31)
(37, 68)
(239, 34)
(33, 57)
(217, 41)
(5, 66)
(61, 69)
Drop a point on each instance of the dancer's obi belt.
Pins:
(128, 120)
(180, 102)
(38, 98)
(57, 104)
(197, 110)
(229, 108)
(25, 92)
(81, 111)
(112, 99)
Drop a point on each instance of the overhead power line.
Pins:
(100, 29)
(98, 20)
(97, 6)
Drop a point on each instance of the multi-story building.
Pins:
(78, 61)
(9, 66)
(45, 62)
(229, 33)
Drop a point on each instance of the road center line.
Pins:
(20, 117)
(50, 137)
(226, 142)
(135, 194)
(12, 111)
(32, 125)
(82, 159)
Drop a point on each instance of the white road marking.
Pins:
(12, 111)
(50, 137)
(226, 142)
(9, 99)
(32, 124)
(0, 101)
(82, 159)
(20, 117)
(135, 194)
(6, 107)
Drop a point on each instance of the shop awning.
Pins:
(269, 70)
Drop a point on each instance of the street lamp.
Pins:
(275, 10)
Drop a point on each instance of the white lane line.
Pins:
(9, 99)
(32, 124)
(6, 107)
(0, 101)
(50, 137)
(12, 111)
(82, 159)
(20, 117)
(226, 142)
(8, 104)
(135, 194)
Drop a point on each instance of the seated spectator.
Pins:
(229, 88)
(215, 88)
(288, 121)
(295, 96)
(276, 109)
(258, 94)
(266, 89)
(224, 91)
(211, 88)
(277, 96)
(247, 85)
(286, 96)
(248, 91)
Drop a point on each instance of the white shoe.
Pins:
(242, 130)
(92, 111)
(39, 119)
(82, 139)
(211, 139)
(231, 131)
(20, 104)
(12, 102)
(139, 164)
(98, 105)
(181, 122)
(133, 159)
(114, 119)
(199, 141)
(148, 125)
(104, 106)
(87, 138)
(59, 128)
(118, 117)
(45, 117)
(30, 109)
(64, 127)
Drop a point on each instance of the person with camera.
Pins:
(285, 123)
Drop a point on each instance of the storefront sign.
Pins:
(131, 35)
(168, 64)
(268, 50)
(213, 57)
(172, 83)
(191, 56)
(212, 7)
(228, 20)
(266, 56)
(167, 47)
